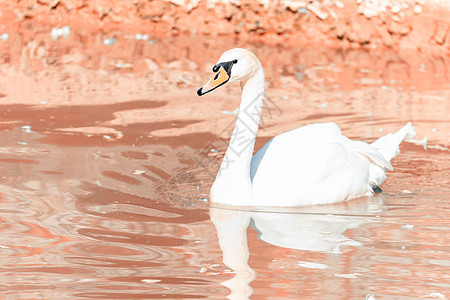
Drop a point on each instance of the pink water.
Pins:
(104, 171)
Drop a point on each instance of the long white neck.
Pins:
(233, 179)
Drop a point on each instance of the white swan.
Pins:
(313, 164)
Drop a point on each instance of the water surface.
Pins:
(104, 188)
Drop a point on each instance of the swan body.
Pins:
(313, 164)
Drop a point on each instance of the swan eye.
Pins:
(215, 68)
(234, 61)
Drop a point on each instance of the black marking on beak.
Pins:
(217, 75)
(226, 65)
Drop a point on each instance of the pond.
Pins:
(107, 156)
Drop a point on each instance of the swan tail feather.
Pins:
(388, 145)
(370, 152)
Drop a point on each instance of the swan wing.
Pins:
(291, 139)
(314, 164)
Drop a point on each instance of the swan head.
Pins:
(234, 65)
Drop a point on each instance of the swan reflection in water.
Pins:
(312, 228)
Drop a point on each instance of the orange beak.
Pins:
(218, 79)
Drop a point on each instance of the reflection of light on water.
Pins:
(312, 265)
